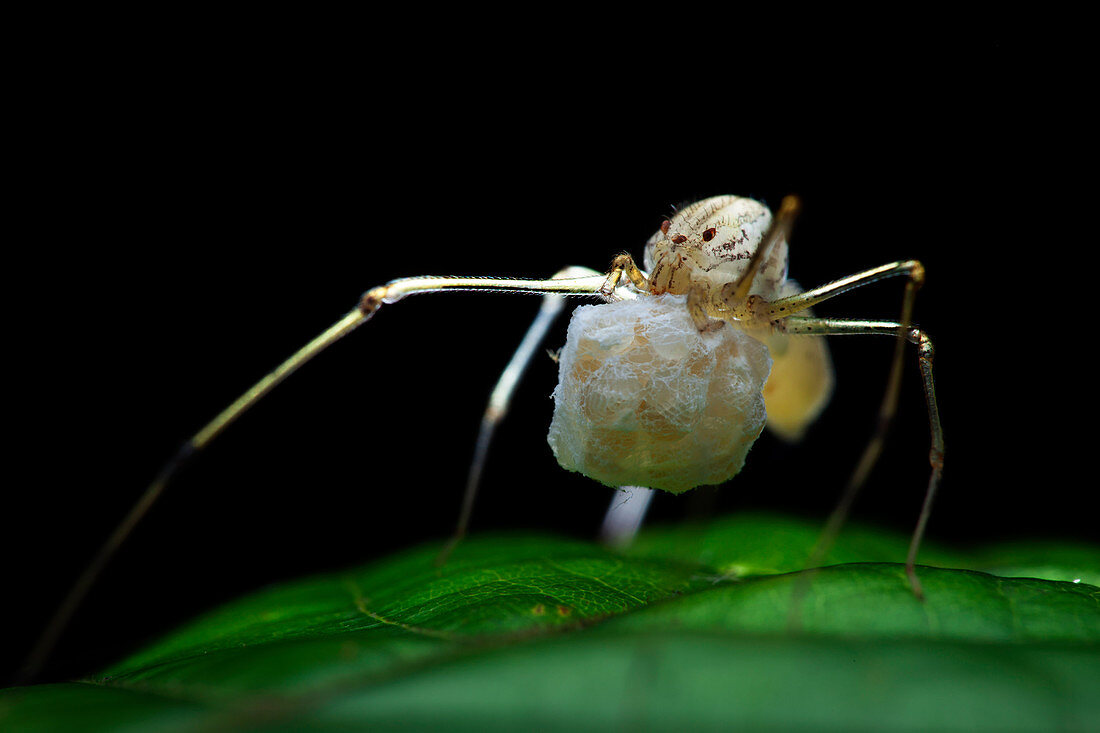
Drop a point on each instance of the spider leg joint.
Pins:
(372, 300)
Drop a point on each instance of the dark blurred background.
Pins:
(203, 209)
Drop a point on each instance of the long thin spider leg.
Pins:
(793, 304)
(371, 301)
(61, 617)
(501, 397)
(837, 326)
(396, 290)
(784, 308)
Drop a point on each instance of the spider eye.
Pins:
(679, 239)
(665, 225)
(709, 234)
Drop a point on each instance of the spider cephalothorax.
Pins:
(710, 243)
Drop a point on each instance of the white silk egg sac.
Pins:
(645, 399)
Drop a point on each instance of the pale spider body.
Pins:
(671, 391)
(709, 244)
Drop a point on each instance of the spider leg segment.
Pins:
(780, 229)
(791, 305)
(501, 397)
(781, 314)
(57, 623)
(371, 301)
(836, 326)
(396, 290)
(786, 306)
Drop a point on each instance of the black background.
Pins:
(202, 210)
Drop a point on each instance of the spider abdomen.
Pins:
(645, 399)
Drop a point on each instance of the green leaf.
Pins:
(765, 544)
(694, 627)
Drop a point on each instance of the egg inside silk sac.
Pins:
(645, 399)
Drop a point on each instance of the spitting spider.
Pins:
(667, 384)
